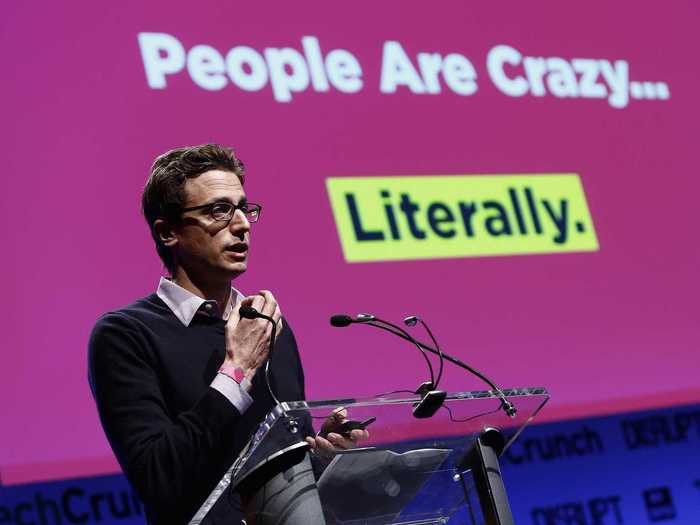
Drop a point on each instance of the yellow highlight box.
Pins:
(441, 216)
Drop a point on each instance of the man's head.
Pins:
(196, 177)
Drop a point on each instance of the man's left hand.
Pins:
(329, 441)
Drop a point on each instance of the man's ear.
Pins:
(165, 232)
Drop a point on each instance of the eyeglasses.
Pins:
(223, 211)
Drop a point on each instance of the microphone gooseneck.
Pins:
(342, 320)
(431, 399)
(412, 321)
(373, 320)
(507, 406)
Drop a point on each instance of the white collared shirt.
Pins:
(184, 304)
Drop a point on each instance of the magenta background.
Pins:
(605, 331)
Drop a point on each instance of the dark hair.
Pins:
(164, 194)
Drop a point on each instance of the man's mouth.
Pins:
(239, 248)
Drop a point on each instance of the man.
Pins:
(177, 375)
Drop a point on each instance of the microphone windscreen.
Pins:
(248, 312)
(341, 320)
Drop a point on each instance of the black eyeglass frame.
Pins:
(245, 208)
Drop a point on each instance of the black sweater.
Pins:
(173, 434)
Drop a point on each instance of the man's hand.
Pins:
(248, 340)
(328, 441)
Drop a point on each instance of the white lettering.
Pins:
(242, 56)
(344, 71)
(157, 65)
(588, 69)
(459, 74)
(430, 65)
(561, 80)
(312, 50)
(206, 67)
(617, 78)
(288, 72)
(535, 69)
(397, 69)
(495, 62)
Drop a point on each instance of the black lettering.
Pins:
(631, 435)
(137, 503)
(5, 515)
(560, 221)
(360, 233)
(518, 212)
(497, 224)
(42, 505)
(19, 512)
(548, 515)
(409, 209)
(615, 500)
(659, 429)
(659, 504)
(467, 210)
(390, 217)
(545, 448)
(595, 442)
(563, 446)
(572, 513)
(682, 423)
(68, 509)
(124, 511)
(437, 214)
(533, 210)
(696, 419)
(95, 506)
(598, 509)
(511, 456)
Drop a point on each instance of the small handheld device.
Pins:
(351, 424)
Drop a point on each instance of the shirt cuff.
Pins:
(232, 391)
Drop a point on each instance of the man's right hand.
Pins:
(248, 340)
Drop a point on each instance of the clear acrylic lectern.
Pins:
(437, 470)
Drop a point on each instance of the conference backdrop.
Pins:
(522, 176)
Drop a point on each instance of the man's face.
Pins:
(206, 248)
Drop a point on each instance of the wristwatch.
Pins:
(234, 372)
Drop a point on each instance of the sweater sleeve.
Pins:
(169, 460)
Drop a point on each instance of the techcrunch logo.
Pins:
(429, 217)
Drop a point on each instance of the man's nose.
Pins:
(239, 224)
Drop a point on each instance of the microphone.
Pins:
(431, 399)
(507, 406)
(248, 312)
(340, 320)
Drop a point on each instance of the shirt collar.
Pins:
(184, 304)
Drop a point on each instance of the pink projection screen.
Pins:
(521, 177)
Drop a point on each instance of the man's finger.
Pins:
(270, 302)
(340, 414)
(257, 302)
(358, 435)
(280, 327)
(277, 314)
(234, 317)
(323, 444)
(339, 441)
